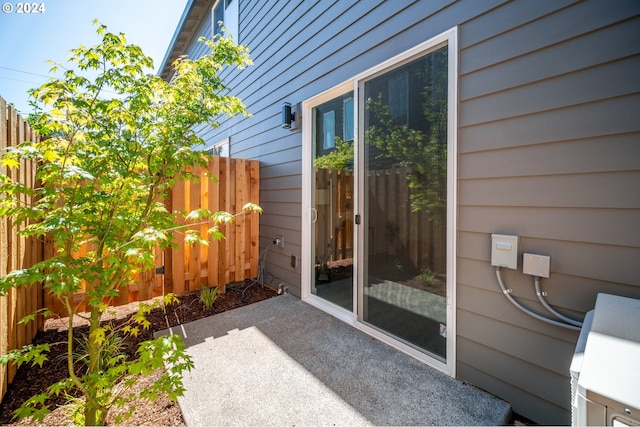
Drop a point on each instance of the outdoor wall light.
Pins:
(288, 116)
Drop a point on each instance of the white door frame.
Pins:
(308, 214)
(449, 38)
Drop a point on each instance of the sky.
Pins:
(28, 41)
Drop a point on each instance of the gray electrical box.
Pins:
(536, 265)
(504, 251)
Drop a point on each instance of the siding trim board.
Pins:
(547, 148)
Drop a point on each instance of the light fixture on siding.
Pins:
(289, 116)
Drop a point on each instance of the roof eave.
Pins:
(186, 30)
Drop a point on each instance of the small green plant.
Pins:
(208, 296)
(74, 409)
(427, 276)
(110, 352)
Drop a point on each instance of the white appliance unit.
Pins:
(605, 370)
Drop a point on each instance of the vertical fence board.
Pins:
(4, 259)
(16, 250)
(239, 222)
(11, 330)
(159, 282)
(4, 345)
(213, 201)
(204, 204)
(225, 195)
(193, 258)
(254, 196)
(14, 245)
(229, 228)
(49, 301)
(167, 254)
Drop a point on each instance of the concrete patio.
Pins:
(283, 362)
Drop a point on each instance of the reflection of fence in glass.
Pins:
(411, 239)
(406, 125)
(334, 226)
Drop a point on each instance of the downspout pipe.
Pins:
(507, 293)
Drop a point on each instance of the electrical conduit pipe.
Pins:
(507, 293)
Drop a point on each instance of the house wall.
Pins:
(548, 149)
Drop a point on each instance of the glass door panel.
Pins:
(404, 126)
(333, 203)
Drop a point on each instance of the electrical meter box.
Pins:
(504, 251)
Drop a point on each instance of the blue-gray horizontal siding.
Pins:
(549, 149)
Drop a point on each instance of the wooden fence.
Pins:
(16, 251)
(185, 268)
(188, 267)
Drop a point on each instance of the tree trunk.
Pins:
(93, 416)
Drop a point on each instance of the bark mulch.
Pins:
(31, 380)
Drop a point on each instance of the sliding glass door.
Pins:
(404, 131)
(379, 198)
(333, 200)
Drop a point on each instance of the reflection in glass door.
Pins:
(404, 127)
(333, 203)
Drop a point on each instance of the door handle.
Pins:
(314, 215)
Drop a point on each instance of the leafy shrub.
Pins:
(208, 296)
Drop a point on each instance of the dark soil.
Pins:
(31, 380)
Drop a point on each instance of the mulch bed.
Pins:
(32, 380)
